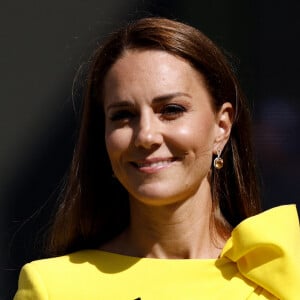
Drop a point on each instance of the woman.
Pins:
(162, 200)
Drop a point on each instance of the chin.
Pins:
(155, 199)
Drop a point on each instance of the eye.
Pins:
(172, 111)
(121, 115)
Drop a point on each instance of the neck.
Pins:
(180, 230)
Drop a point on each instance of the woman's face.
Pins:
(160, 128)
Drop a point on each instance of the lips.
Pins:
(153, 164)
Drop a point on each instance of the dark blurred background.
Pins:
(43, 43)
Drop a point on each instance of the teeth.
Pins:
(154, 165)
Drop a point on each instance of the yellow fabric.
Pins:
(260, 261)
(266, 249)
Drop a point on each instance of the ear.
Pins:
(224, 120)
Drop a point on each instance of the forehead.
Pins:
(149, 58)
(139, 77)
(137, 66)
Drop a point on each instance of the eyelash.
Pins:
(121, 115)
(168, 112)
(173, 110)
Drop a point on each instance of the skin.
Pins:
(161, 134)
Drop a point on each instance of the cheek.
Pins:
(117, 142)
(195, 136)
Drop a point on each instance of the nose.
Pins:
(148, 131)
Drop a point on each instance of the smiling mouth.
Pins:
(153, 164)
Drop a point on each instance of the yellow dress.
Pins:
(261, 260)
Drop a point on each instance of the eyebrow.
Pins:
(156, 100)
(170, 96)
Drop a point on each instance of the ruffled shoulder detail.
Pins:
(266, 249)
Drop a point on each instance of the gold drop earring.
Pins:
(218, 161)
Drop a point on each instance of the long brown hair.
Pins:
(94, 207)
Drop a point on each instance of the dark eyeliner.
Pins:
(173, 109)
(120, 115)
